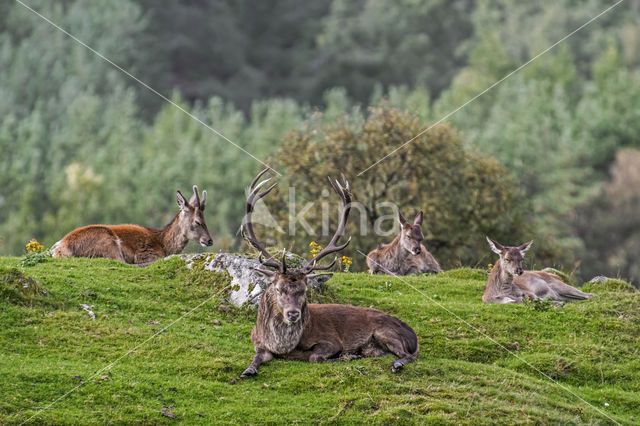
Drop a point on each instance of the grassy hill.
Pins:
(478, 363)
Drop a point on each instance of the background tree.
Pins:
(463, 195)
(610, 225)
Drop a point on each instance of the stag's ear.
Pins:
(401, 219)
(311, 276)
(523, 248)
(495, 247)
(182, 201)
(418, 219)
(264, 272)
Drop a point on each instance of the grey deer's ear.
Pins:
(401, 219)
(418, 219)
(523, 248)
(495, 247)
(182, 201)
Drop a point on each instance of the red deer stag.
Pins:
(136, 244)
(290, 328)
(406, 254)
(509, 283)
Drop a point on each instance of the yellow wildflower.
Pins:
(314, 248)
(34, 246)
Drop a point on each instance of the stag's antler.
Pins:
(195, 198)
(250, 236)
(344, 192)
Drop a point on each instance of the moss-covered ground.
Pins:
(478, 363)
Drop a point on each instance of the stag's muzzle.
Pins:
(292, 316)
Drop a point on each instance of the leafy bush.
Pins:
(463, 195)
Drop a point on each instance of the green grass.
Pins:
(590, 348)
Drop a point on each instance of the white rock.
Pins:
(247, 285)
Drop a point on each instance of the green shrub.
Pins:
(463, 195)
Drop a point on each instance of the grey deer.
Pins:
(509, 283)
(289, 327)
(406, 254)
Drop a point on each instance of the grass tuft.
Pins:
(608, 286)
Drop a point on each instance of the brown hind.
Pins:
(136, 244)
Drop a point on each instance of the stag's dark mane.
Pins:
(278, 336)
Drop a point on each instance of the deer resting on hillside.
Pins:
(509, 283)
(136, 244)
(288, 327)
(406, 254)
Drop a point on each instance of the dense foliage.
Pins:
(81, 142)
(462, 195)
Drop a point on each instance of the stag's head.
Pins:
(192, 217)
(510, 257)
(411, 234)
(290, 284)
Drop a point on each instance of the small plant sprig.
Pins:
(346, 262)
(35, 254)
(539, 304)
(314, 248)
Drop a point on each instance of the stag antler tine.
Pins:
(196, 198)
(268, 190)
(253, 182)
(284, 261)
(250, 236)
(254, 197)
(345, 196)
(325, 267)
(254, 188)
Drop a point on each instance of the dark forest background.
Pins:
(314, 88)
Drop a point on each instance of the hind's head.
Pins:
(411, 235)
(510, 257)
(191, 217)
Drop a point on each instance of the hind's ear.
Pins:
(523, 248)
(402, 220)
(418, 219)
(495, 247)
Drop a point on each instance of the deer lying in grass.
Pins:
(406, 254)
(508, 283)
(136, 244)
(288, 327)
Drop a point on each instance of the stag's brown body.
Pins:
(135, 244)
(406, 254)
(509, 283)
(329, 331)
(289, 327)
